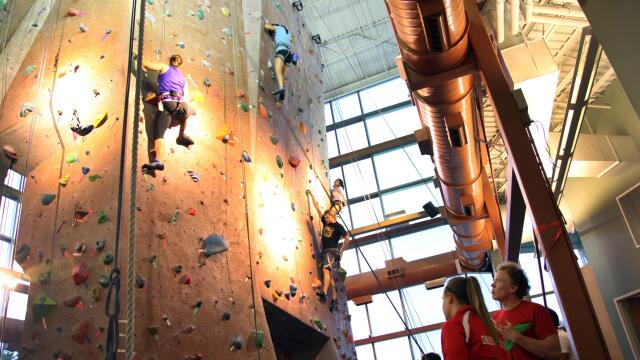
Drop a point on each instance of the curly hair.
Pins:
(518, 278)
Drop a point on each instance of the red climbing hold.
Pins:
(80, 273)
(294, 161)
(185, 279)
(263, 112)
(79, 333)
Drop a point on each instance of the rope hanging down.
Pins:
(113, 331)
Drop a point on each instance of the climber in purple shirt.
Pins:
(173, 108)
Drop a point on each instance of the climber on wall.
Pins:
(284, 56)
(173, 108)
(331, 234)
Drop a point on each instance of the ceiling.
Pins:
(359, 48)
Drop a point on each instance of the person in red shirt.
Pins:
(526, 327)
(469, 332)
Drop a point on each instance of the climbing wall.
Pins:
(240, 189)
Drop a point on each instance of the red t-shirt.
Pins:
(480, 346)
(530, 319)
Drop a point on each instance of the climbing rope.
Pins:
(113, 331)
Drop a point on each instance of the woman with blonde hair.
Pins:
(469, 332)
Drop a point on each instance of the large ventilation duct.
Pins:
(433, 41)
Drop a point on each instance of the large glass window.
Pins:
(359, 322)
(366, 212)
(359, 178)
(419, 245)
(376, 254)
(394, 124)
(328, 119)
(352, 138)
(384, 94)
(429, 342)
(345, 108)
(406, 200)
(401, 166)
(383, 318)
(393, 349)
(365, 352)
(332, 144)
(424, 306)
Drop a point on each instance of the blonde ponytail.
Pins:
(477, 302)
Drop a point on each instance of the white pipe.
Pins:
(528, 10)
(546, 19)
(573, 12)
(500, 21)
(515, 16)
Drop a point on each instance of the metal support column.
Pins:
(570, 287)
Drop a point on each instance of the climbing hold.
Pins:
(275, 296)
(153, 330)
(236, 343)
(27, 108)
(64, 181)
(225, 11)
(263, 112)
(342, 274)
(140, 281)
(267, 283)
(200, 14)
(72, 301)
(150, 2)
(10, 153)
(104, 281)
(240, 93)
(226, 316)
(80, 273)
(245, 156)
(303, 128)
(318, 323)
(196, 307)
(279, 292)
(96, 293)
(84, 28)
(71, 158)
(194, 175)
(189, 329)
(274, 139)
(100, 244)
(75, 12)
(316, 284)
(60, 355)
(107, 259)
(294, 161)
(174, 217)
(197, 96)
(165, 318)
(22, 254)
(293, 289)
(153, 259)
(44, 277)
(100, 120)
(258, 338)
(177, 269)
(28, 70)
(102, 217)
(94, 177)
(185, 279)
(213, 244)
(293, 207)
(42, 306)
(85, 170)
(244, 106)
(226, 136)
(287, 296)
(47, 199)
(80, 332)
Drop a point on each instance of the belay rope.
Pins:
(113, 330)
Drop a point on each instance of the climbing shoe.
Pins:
(321, 296)
(82, 130)
(184, 140)
(156, 165)
(278, 91)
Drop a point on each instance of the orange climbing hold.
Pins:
(263, 112)
(303, 128)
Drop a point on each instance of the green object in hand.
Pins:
(520, 328)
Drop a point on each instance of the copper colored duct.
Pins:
(432, 36)
(397, 272)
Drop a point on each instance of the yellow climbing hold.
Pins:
(197, 95)
(100, 119)
(64, 180)
(225, 11)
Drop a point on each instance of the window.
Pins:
(332, 144)
(391, 125)
(352, 138)
(349, 262)
(425, 306)
(359, 322)
(385, 94)
(365, 352)
(359, 178)
(429, 342)
(383, 318)
(405, 168)
(409, 200)
(393, 349)
(328, 119)
(345, 108)
(376, 254)
(366, 213)
(424, 243)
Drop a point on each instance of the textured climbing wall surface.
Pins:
(90, 78)
(244, 180)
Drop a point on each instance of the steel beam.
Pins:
(516, 210)
(570, 287)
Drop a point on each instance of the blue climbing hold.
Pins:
(47, 199)
(213, 244)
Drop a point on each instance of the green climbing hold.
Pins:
(342, 274)
(102, 217)
(107, 259)
(42, 306)
(200, 14)
(94, 177)
(244, 107)
(71, 158)
(318, 323)
(150, 2)
(47, 199)
(274, 139)
(104, 281)
(28, 70)
(258, 337)
(279, 161)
